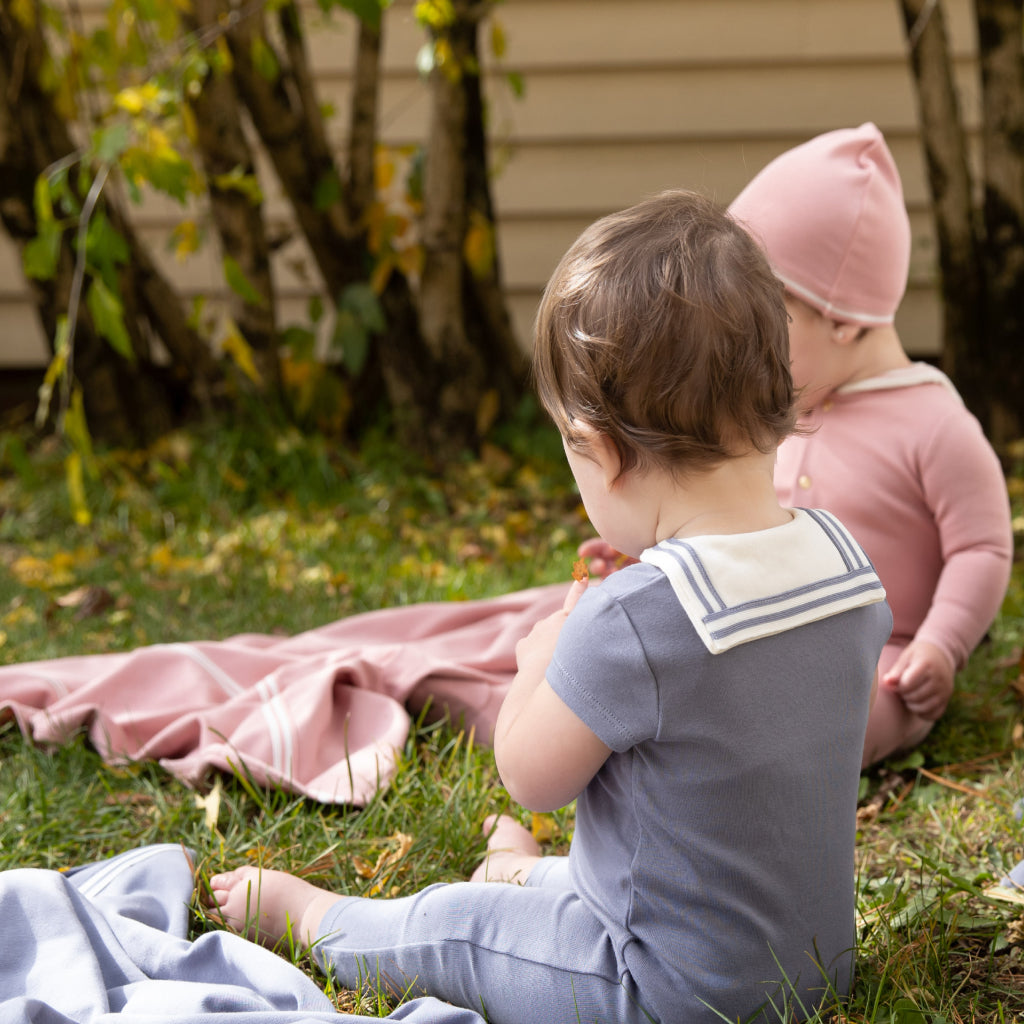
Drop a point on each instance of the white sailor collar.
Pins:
(736, 588)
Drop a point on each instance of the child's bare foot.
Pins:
(511, 852)
(265, 905)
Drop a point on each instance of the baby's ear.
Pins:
(599, 447)
(843, 334)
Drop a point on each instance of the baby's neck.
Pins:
(878, 352)
(736, 496)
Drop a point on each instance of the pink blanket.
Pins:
(320, 713)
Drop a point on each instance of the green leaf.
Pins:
(499, 41)
(300, 341)
(352, 340)
(358, 316)
(56, 370)
(14, 455)
(106, 248)
(327, 191)
(42, 199)
(906, 1011)
(264, 59)
(109, 143)
(163, 168)
(370, 12)
(362, 300)
(108, 316)
(60, 192)
(516, 83)
(40, 255)
(76, 429)
(76, 489)
(238, 181)
(240, 284)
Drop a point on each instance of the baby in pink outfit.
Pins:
(885, 443)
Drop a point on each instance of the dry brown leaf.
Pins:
(89, 600)
(867, 814)
(386, 862)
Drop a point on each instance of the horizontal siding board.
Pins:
(594, 178)
(645, 103)
(22, 341)
(568, 34)
(539, 179)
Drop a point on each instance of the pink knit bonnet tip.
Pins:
(831, 217)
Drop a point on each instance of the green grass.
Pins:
(208, 535)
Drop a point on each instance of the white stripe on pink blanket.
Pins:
(58, 685)
(275, 714)
(219, 675)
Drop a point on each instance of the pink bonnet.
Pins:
(831, 218)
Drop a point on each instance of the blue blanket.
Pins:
(107, 943)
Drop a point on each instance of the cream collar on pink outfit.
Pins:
(904, 377)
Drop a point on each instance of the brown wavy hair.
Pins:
(664, 327)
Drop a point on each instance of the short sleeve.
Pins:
(600, 670)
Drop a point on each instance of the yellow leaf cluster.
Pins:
(46, 573)
(435, 14)
(186, 239)
(136, 99)
(21, 615)
(164, 561)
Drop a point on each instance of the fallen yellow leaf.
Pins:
(542, 826)
(210, 804)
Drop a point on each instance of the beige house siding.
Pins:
(622, 99)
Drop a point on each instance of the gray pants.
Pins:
(514, 953)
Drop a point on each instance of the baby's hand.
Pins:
(922, 676)
(603, 558)
(539, 644)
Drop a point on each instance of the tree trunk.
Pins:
(433, 376)
(126, 403)
(956, 228)
(363, 117)
(462, 309)
(445, 217)
(489, 323)
(289, 122)
(237, 216)
(290, 126)
(1001, 55)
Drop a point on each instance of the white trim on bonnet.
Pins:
(828, 309)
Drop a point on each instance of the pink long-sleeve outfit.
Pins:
(900, 460)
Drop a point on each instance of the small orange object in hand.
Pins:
(580, 571)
